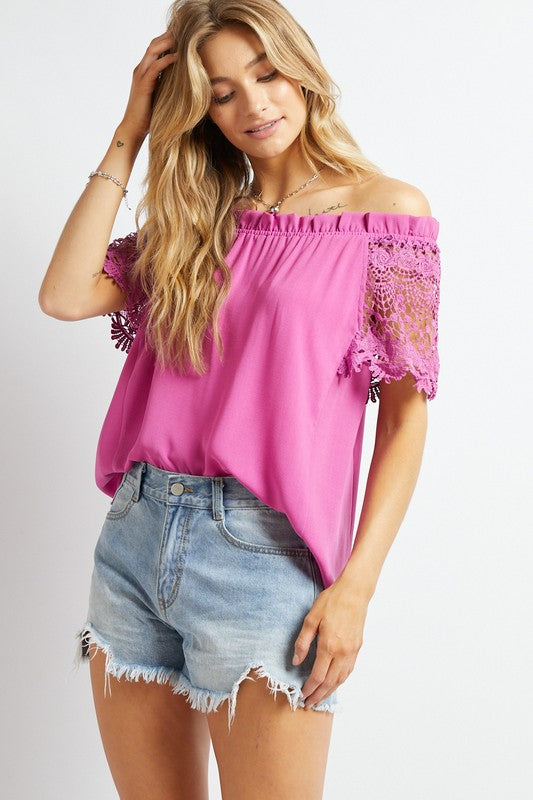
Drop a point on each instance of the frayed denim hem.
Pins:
(204, 700)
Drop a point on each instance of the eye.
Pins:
(226, 97)
(269, 77)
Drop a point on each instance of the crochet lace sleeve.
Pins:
(120, 256)
(398, 331)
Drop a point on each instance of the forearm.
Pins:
(77, 260)
(392, 477)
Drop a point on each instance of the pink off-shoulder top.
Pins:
(322, 308)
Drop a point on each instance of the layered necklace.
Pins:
(275, 208)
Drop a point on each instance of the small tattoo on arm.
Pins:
(120, 144)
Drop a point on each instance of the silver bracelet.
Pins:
(111, 178)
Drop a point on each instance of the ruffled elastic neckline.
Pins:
(355, 221)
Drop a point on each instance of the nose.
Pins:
(254, 101)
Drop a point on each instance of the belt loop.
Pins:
(138, 471)
(217, 503)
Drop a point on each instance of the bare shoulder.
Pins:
(393, 196)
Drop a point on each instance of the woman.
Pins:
(278, 282)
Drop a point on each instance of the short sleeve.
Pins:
(398, 327)
(120, 257)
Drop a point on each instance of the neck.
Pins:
(276, 177)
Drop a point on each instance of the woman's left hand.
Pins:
(338, 616)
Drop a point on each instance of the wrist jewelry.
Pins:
(111, 178)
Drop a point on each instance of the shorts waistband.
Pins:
(199, 491)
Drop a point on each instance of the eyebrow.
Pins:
(253, 62)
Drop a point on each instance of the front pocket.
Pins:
(122, 499)
(261, 530)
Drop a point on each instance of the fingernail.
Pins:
(295, 659)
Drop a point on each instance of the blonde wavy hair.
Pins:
(196, 177)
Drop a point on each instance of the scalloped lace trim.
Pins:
(124, 328)
(120, 256)
(399, 329)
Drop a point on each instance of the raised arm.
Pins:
(74, 286)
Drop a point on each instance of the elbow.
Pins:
(44, 304)
(406, 438)
(413, 421)
(401, 407)
(53, 310)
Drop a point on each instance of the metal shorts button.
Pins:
(177, 488)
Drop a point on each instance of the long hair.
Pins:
(196, 177)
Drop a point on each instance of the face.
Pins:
(248, 92)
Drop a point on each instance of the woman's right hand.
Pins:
(139, 109)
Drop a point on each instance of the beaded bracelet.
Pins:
(111, 178)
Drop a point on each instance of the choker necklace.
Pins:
(275, 208)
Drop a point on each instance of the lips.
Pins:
(260, 124)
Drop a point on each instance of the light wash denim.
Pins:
(196, 582)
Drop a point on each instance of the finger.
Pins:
(153, 70)
(304, 639)
(160, 63)
(158, 46)
(318, 673)
(153, 51)
(332, 679)
(166, 35)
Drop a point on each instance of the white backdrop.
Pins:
(439, 704)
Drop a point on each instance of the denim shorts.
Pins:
(195, 582)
